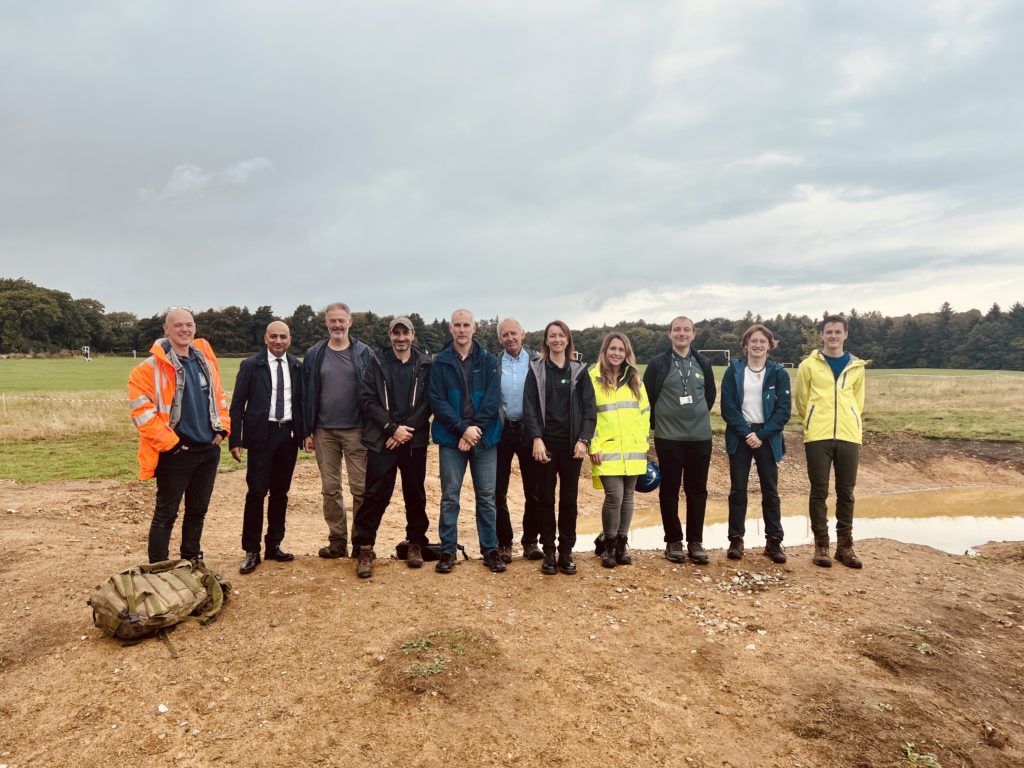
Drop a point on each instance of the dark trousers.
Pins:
(513, 444)
(268, 470)
(683, 463)
(565, 470)
(768, 476)
(381, 471)
(822, 455)
(190, 474)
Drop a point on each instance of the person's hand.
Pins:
(391, 444)
(464, 445)
(580, 450)
(595, 459)
(472, 435)
(403, 434)
(754, 441)
(236, 454)
(540, 451)
(218, 439)
(307, 444)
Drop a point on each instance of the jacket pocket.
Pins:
(810, 413)
(856, 417)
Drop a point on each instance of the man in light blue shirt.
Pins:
(514, 364)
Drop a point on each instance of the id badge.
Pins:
(686, 399)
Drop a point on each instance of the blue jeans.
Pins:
(483, 466)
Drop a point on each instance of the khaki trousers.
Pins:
(333, 445)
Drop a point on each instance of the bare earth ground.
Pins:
(649, 665)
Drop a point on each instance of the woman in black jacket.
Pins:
(560, 415)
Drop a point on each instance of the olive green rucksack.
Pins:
(149, 598)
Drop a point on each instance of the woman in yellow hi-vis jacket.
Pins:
(618, 452)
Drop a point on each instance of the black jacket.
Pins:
(582, 402)
(377, 401)
(311, 363)
(250, 401)
(660, 367)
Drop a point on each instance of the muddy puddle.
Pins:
(953, 520)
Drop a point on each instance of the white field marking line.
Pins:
(1013, 376)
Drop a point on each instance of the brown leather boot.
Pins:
(821, 553)
(364, 568)
(414, 558)
(846, 555)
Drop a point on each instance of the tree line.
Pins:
(38, 320)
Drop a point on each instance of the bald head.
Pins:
(277, 338)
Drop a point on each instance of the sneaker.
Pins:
(492, 559)
(505, 553)
(548, 567)
(446, 563)
(364, 567)
(414, 558)
(566, 564)
(532, 552)
(674, 552)
(773, 549)
(697, 554)
(735, 551)
(333, 551)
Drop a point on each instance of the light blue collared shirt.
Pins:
(513, 377)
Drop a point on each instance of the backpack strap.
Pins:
(462, 549)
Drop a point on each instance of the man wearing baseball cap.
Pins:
(396, 413)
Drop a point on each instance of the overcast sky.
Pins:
(590, 161)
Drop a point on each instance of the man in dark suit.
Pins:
(267, 403)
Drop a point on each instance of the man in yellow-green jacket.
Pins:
(829, 400)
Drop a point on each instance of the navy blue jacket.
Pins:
(250, 401)
(446, 397)
(775, 397)
(311, 364)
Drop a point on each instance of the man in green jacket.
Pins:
(829, 399)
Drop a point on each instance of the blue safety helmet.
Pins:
(650, 480)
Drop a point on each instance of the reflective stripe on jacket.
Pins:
(154, 397)
(623, 426)
(830, 408)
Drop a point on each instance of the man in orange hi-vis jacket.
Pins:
(178, 407)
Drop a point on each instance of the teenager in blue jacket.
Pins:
(756, 405)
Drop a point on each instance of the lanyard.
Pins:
(679, 369)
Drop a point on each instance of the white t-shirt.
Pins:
(753, 406)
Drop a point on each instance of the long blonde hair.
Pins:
(609, 383)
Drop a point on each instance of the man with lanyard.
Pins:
(179, 410)
(396, 419)
(266, 409)
(515, 364)
(829, 399)
(680, 383)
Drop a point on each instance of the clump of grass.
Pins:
(436, 650)
(915, 758)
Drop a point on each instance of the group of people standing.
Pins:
(372, 410)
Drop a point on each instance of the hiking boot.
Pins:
(548, 567)
(622, 551)
(532, 552)
(845, 554)
(492, 559)
(566, 564)
(252, 559)
(697, 554)
(674, 552)
(414, 557)
(599, 544)
(773, 549)
(364, 568)
(445, 563)
(278, 554)
(608, 552)
(735, 551)
(334, 550)
(505, 553)
(821, 553)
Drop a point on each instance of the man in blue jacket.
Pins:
(465, 396)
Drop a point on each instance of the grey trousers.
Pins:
(333, 445)
(617, 510)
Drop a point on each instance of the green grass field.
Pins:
(67, 419)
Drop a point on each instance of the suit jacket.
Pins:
(250, 402)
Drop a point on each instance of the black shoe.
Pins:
(334, 551)
(566, 564)
(622, 551)
(735, 551)
(446, 563)
(548, 567)
(674, 552)
(278, 554)
(505, 553)
(492, 559)
(532, 552)
(773, 549)
(608, 552)
(697, 554)
(252, 559)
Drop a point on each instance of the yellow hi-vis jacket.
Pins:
(155, 402)
(830, 408)
(623, 425)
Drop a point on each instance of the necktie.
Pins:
(279, 401)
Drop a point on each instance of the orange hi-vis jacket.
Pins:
(155, 400)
